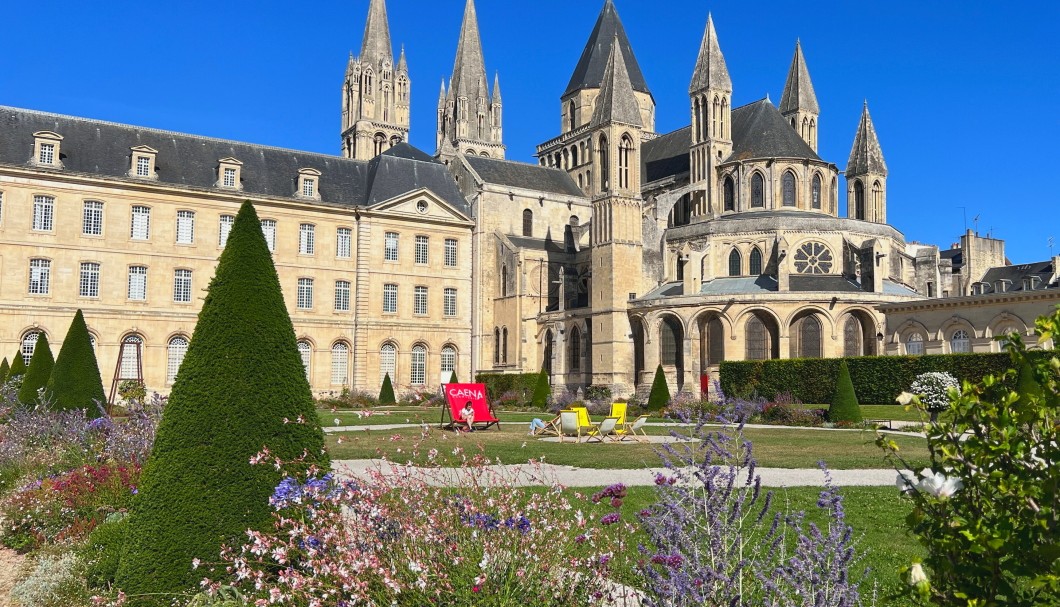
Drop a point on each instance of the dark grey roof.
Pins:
(589, 72)
(893, 288)
(1043, 270)
(104, 148)
(759, 131)
(739, 285)
(666, 155)
(799, 283)
(523, 175)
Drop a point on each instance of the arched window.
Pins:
(815, 192)
(178, 347)
(758, 191)
(29, 344)
(625, 155)
(305, 352)
(340, 363)
(914, 344)
(546, 358)
(448, 362)
(724, 113)
(813, 132)
(805, 128)
(697, 118)
(877, 200)
(387, 361)
(788, 186)
(605, 169)
(793, 125)
(729, 193)
(833, 194)
(418, 377)
(379, 143)
(859, 200)
(575, 349)
(715, 341)
(504, 281)
(504, 345)
(717, 111)
(571, 123)
(852, 336)
(574, 155)
(735, 263)
(757, 339)
(756, 262)
(960, 342)
(496, 345)
(809, 334)
(670, 341)
(131, 352)
(528, 223)
(368, 85)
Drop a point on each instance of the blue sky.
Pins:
(963, 94)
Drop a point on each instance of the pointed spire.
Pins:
(350, 65)
(866, 155)
(616, 102)
(711, 71)
(497, 88)
(607, 34)
(376, 47)
(470, 67)
(441, 96)
(798, 90)
(402, 65)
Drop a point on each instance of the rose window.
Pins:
(813, 258)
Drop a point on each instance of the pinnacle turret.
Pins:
(607, 34)
(402, 64)
(866, 156)
(616, 102)
(711, 73)
(798, 90)
(496, 88)
(376, 48)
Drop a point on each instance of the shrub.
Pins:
(542, 392)
(933, 389)
(499, 383)
(101, 553)
(598, 393)
(241, 389)
(18, 367)
(659, 396)
(53, 582)
(386, 393)
(38, 372)
(5, 368)
(75, 382)
(844, 407)
(357, 399)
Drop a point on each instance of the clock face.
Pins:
(421, 206)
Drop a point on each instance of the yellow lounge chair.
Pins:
(619, 410)
(584, 423)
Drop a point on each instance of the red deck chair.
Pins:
(455, 397)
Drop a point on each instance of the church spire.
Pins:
(497, 88)
(711, 73)
(798, 104)
(607, 34)
(866, 174)
(616, 102)
(376, 47)
(402, 64)
(866, 155)
(469, 70)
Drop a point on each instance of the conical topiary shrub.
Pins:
(241, 388)
(386, 393)
(1027, 385)
(75, 382)
(18, 367)
(4, 369)
(38, 371)
(659, 396)
(542, 391)
(844, 407)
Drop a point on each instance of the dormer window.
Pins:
(1031, 283)
(143, 162)
(1002, 286)
(229, 174)
(46, 149)
(309, 184)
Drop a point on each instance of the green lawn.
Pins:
(780, 448)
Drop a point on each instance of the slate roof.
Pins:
(1044, 270)
(841, 284)
(616, 102)
(666, 155)
(760, 131)
(100, 148)
(739, 285)
(523, 175)
(608, 31)
(892, 288)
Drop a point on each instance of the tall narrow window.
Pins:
(387, 361)
(735, 263)
(305, 293)
(141, 223)
(390, 246)
(29, 344)
(570, 116)
(809, 334)
(625, 156)
(852, 334)
(575, 349)
(450, 252)
(89, 284)
(224, 226)
(131, 357)
(504, 281)
(877, 200)
(528, 223)
(504, 345)
(605, 167)
(340, 363)
(229, 177)
(47, 154)
(309, 186)
(268, 230)
(758, 187)
(833, 194)
(757, 338)
(40, 276)
(419, 301)
(182, 286)
(421, 250)
(960, 342)
(815, 192)
(307, 239)
(449, 302)
(178, 347)
(448, 361)
(716, 111)
(185, 227)
(92, 218)
(343, 243)
(305, 352)
(342, 296)
(496, 345)
(138, 283)
(418, 376)
(788, 186)
(729, 193)
(43, 213)
(859, 200)
(756, 262)
(143, 166)
(390, 298)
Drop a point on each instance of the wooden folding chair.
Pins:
(605, 429)
(631, 430)
(568, 425)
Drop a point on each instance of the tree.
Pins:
(386, 393)
(38, 372)
(18, 366)
(241, 388)
(75, 382)
(542, 391)
(659, 396)
(4, 369)
(844, 407)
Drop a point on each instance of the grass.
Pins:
(779, 448)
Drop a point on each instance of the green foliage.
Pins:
(542, 392)
(38, 372)
(844, 406)
(101, 553)
(986, 510)
(877, 379)
(241, 389)
(386, 393)
(4, 370)
(75, 382)
(18, 366)
(659, 396)
(498, 384)
(132, 389)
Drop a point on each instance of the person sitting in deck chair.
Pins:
(467, 416)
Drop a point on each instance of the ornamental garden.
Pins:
(238, 489)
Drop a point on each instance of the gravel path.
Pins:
(10, 563)
(897, 425)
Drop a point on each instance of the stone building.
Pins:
(620, 250)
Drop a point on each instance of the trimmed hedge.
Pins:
(499, 383)
(38, 372)
(241, 388)
(659, 396)
(75, 382)
(542, 391)
(18, 366)
(877, 379)
(386, 393)
(844, 406)
(4, 369)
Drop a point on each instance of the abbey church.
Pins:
(622, 249)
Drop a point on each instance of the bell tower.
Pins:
(866, 174)
(711, 98)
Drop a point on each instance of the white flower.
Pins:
(415, 567)
(904, 398)
(917, 575)
(905, 481)
(938, 484)
(195, 563)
